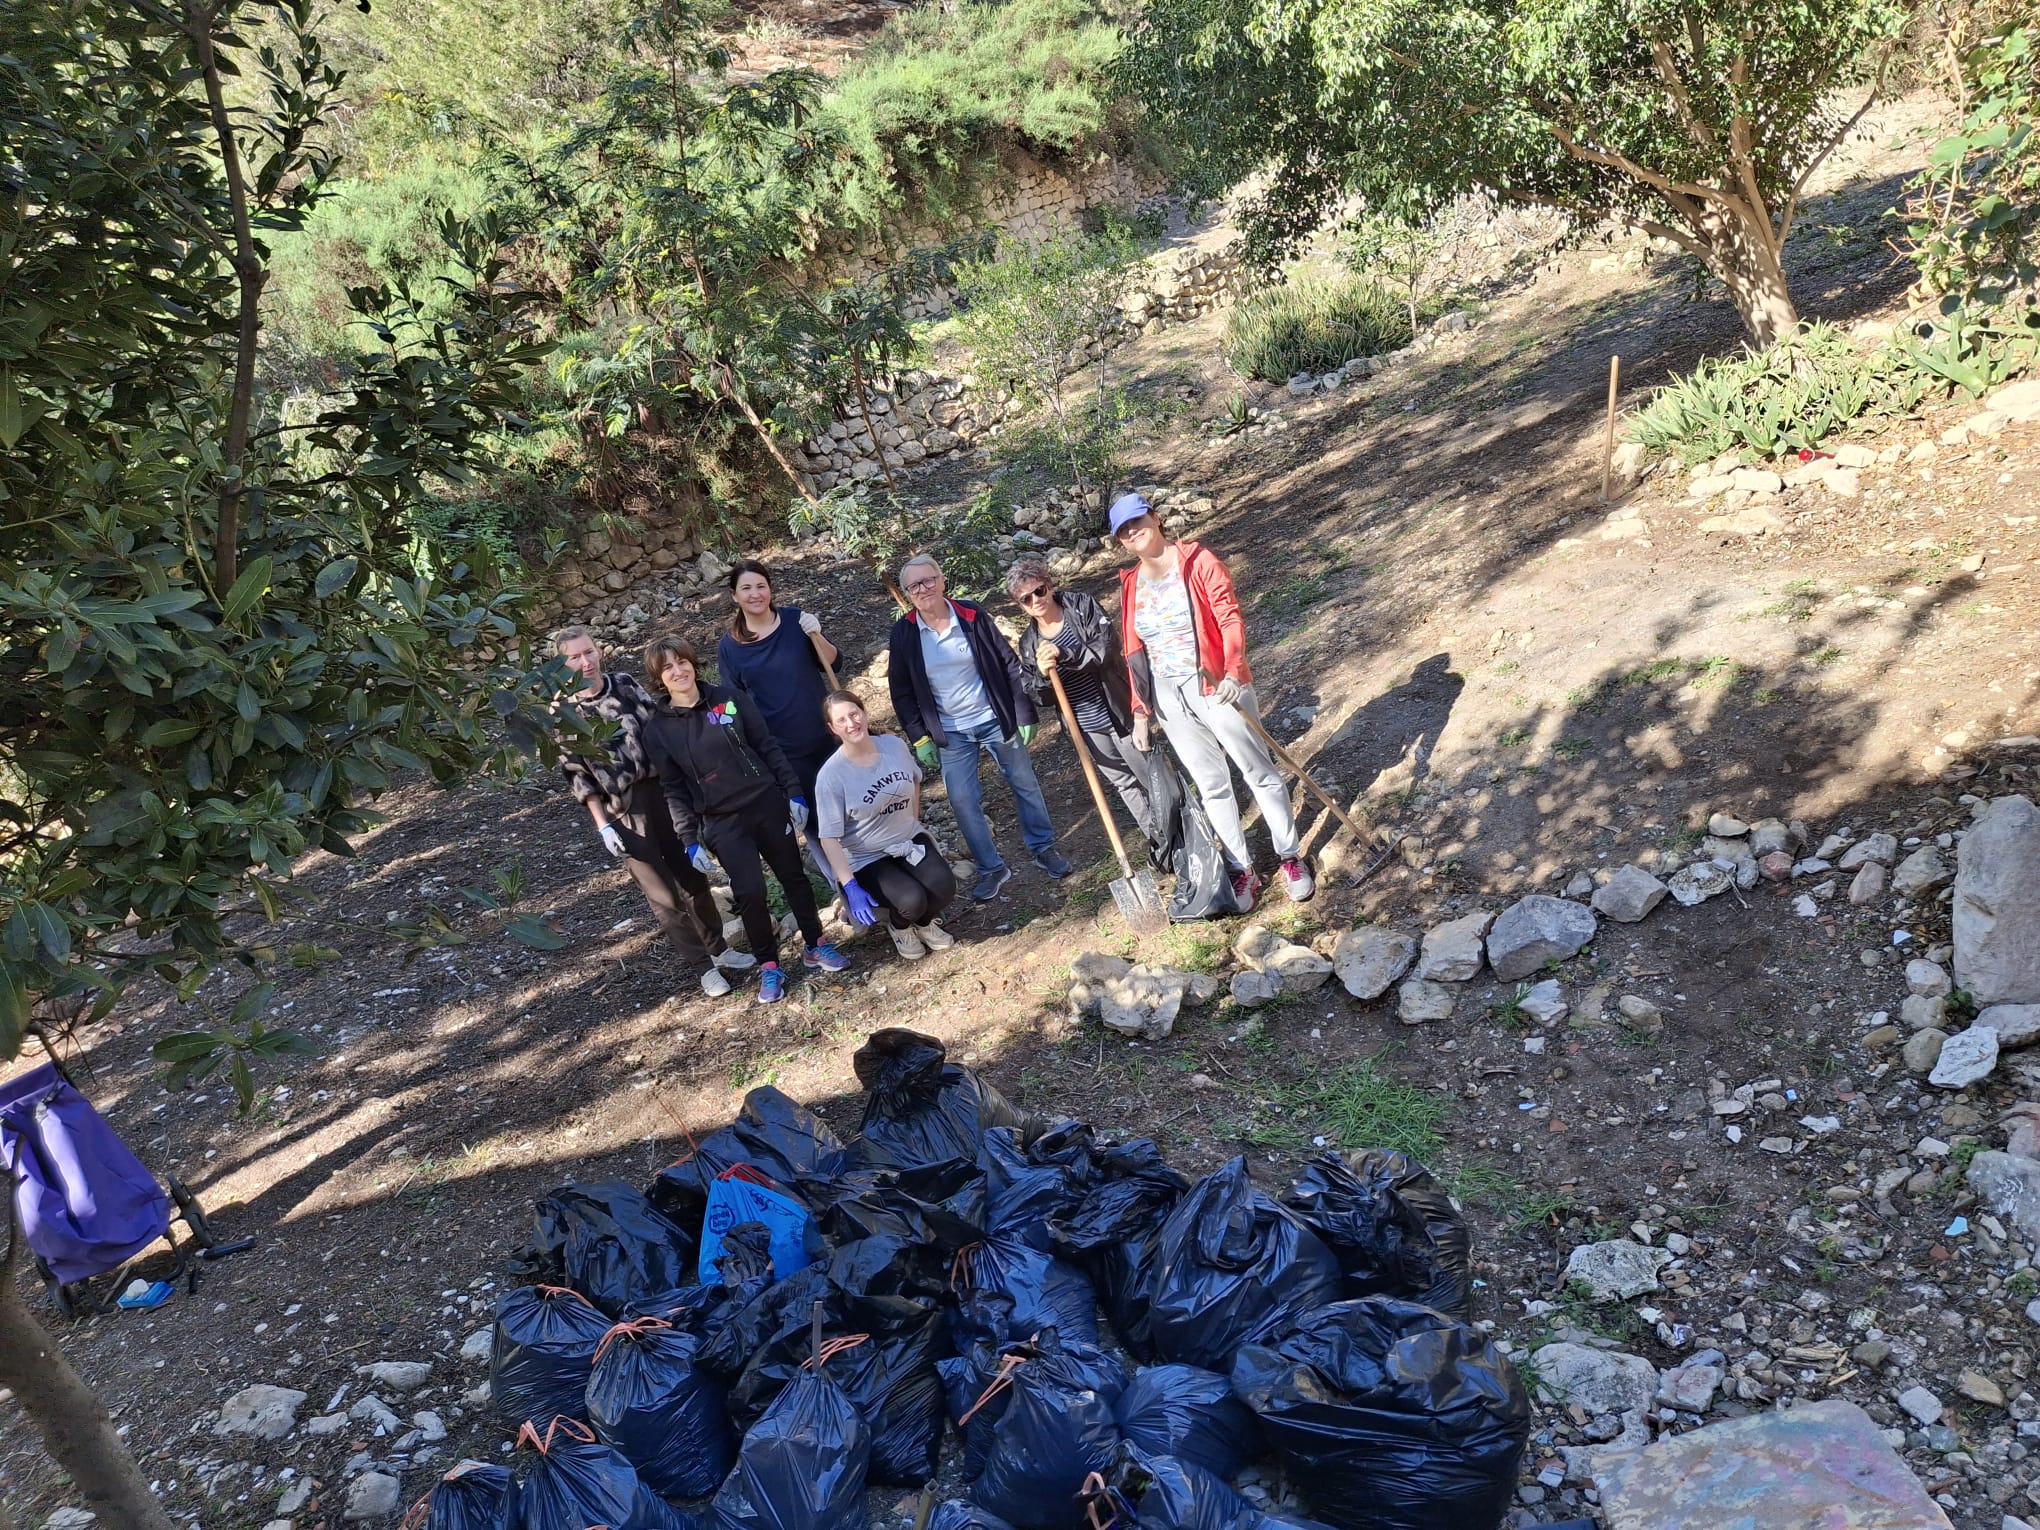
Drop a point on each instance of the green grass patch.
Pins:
(1362, 1106)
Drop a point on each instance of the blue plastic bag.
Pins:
(734, 1197)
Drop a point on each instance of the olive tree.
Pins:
(221, 635)
(1700, 121)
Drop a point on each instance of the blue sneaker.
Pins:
(771, 984)
(824, 956)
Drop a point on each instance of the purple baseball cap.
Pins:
(1128, 507)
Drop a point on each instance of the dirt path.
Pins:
(1521, 694)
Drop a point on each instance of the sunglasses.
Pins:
(1029, 597)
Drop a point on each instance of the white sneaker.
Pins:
(907, 943)
(714, 984)
(934, 937)
(730, 959)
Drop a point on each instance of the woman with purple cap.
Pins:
(1186, 654)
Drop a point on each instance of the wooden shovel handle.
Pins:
(1076, 734)
(827, 668)
(1300, 773)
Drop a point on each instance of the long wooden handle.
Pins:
(1301, 774)
(827, 668)
(1076, 734)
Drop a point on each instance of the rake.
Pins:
(1140, 901)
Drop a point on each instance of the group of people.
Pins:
(735, 773)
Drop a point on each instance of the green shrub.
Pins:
(1816, 384)
(923, 112)
(1312, 326)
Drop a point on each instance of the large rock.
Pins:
(1629, 894)
(1598, 1380)
(1967, 1058)
(398, 1375)
(1997, 905)
(376, 1495)
(1371, 961)
(266, 1412)
(2010, 1187)
(1141, 1001)
(1921, 872)
(2017, 1025)
(1616, 1269)
(1419, 1000)
(1536, 930)
(1695, 884)
(1823, 1463)
(1253, 988)
(1452, 950)
(1297, 968)
(1872, 847)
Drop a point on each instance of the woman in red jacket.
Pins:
(1186, 653)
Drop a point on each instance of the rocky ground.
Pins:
(1525, 692)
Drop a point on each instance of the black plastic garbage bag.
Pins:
(608, 1242)
(802, 1466)
(1027, 1185)
(1393, 1227)
(777, 1314)
(1044, 1292)
(978, 1385)
(1390, 1416)
(746, 1255)
(1190, 1414)
(942, 1204)
(883, 1352)
(543, 1350)
(958, 1515)
(681, 1190)
(1112, 1235)
(1231, 1267)
(650, 1398)
(566, 1479)
(1185, 844)
(786, 1140)
(1053, 1433)
(921, 1108)
(471, 1496)
(1173, 1494)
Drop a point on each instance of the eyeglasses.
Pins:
(923, 586)
(1029, 597)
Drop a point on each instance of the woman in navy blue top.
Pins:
(776, 653)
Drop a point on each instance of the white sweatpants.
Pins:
(1211, 738)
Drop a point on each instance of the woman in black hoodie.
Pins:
(733, 795)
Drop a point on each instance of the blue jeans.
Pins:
(967, 798)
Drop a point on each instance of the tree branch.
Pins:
(1682, 103)
(1742, 153)
(249, 272)
(1834, 142)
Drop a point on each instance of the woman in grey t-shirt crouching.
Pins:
(868, 818)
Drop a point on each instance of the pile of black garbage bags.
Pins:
(784, 1320)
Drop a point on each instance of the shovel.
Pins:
(1289, 761)
(827, 668)
(1140, 902)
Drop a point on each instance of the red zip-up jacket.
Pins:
(1215, 616)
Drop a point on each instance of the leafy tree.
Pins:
(1035, 318)
(1701, 121)
(220, 636)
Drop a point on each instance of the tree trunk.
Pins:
(1747, 260)
(73, 1423)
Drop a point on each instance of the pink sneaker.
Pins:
(1246, 890)
(1297, 881)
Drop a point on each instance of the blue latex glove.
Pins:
(862, 909)
(703, 862)
(1026, 734)
(798, 811)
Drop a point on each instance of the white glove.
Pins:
(797, 811)
(1229, 691)
(811, 624)
(915, 853)
(612, 840)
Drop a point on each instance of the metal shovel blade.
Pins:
(1140, 903)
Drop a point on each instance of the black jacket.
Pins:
(714, 758)
(913, 699)
(1097, 650)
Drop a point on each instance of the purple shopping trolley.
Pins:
(86, 1204)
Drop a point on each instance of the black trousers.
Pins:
(911, 894)
(681, 902)
(748, 841)
(1125, 770)
(807, 767)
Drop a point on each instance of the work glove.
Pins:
(1229, 691)
(1027, 731)
(700, 859)
(926, 752)
(1143, 733)
(612, 840)
(811, 624)
(862, 909)
(798, 812)
(1046, 657)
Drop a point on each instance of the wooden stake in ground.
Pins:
(1608, 444)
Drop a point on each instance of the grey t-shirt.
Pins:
(869, 808)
